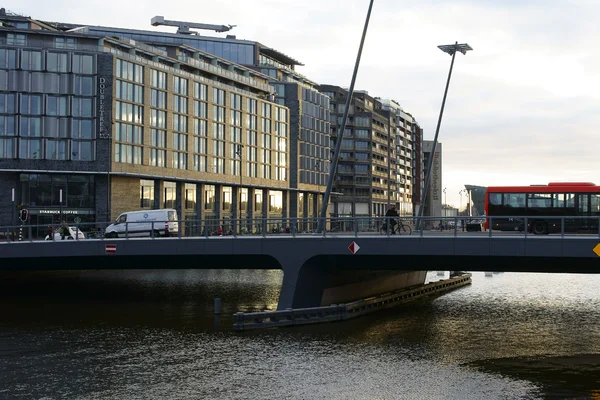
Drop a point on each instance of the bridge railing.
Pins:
(279, 227)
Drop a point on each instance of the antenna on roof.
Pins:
(184, 27)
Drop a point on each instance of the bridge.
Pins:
(313, 262)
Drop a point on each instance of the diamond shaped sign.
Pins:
(354, 248)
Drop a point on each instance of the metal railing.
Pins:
(306, 227)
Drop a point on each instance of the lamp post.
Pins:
(461, 195)
(445, 207)
(238, 152)
(450, 49)
(14, 210)
(318, 169)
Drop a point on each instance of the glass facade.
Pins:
(47, 105)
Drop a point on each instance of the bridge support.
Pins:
(321, 282)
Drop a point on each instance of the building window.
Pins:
(180, 85)
(128, 148)
(158, 119)
(219, 96)
(235, 101)
(83, 107)
(180, 123)
(218, 114)
(82, 150)
(83, 64)
(31, 104)
(7, 103)
(82, 129)
(8, 139)
(200, 109)
(129, 71)
(31, 60)
(266, 118)
(8, 59)
(258, 199)
(146, 193)
(17, 39)
(226, 200)
(219, 163)
(129, 112)
(65, 43)
(170, 194)
(158, 99)
(200, 91)
(190, 196)
(129, 91)
(57, 62)
(209, 197)
(83, 85)
(30, 148)
(251, 106)
(159, 79)
(180, 104)
(180, 154)
(56, 149)
(57, 105)
(158, 154)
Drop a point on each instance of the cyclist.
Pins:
(392, 214)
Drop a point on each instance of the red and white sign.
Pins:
(354, 248)
(110, 249)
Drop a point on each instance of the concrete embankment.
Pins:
(340, 312)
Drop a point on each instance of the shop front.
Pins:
(53, 199)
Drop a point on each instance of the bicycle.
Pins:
(399, 227)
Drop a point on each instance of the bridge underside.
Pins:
(323, 285)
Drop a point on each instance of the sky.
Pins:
(522, 107)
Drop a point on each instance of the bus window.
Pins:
(595, 204)
(570, 199)
(515, 200)
(496, 199)
(539, 200)
(558, 200)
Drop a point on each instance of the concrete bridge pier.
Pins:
(321, 281)
(302, 286)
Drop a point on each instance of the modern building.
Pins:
(409, 136)
(433, 201)
(475, 200)
(308, 109)
(92, 126)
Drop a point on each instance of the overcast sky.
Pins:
(522, 108)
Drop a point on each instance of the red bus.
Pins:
(508, 205)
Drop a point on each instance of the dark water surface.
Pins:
(152, 334)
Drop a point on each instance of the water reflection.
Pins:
(152, 334)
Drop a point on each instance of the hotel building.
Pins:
(108, 124)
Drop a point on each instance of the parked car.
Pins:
(74, 233)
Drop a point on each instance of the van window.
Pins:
(122, 218)
(172, 216)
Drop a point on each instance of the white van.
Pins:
(144, 223)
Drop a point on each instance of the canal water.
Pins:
(152, 334)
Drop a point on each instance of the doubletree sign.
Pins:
(103, 90)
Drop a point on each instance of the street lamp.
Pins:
(461, 195)
(450, 49)
(238, 152)
(318, 169)
(445, 202)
